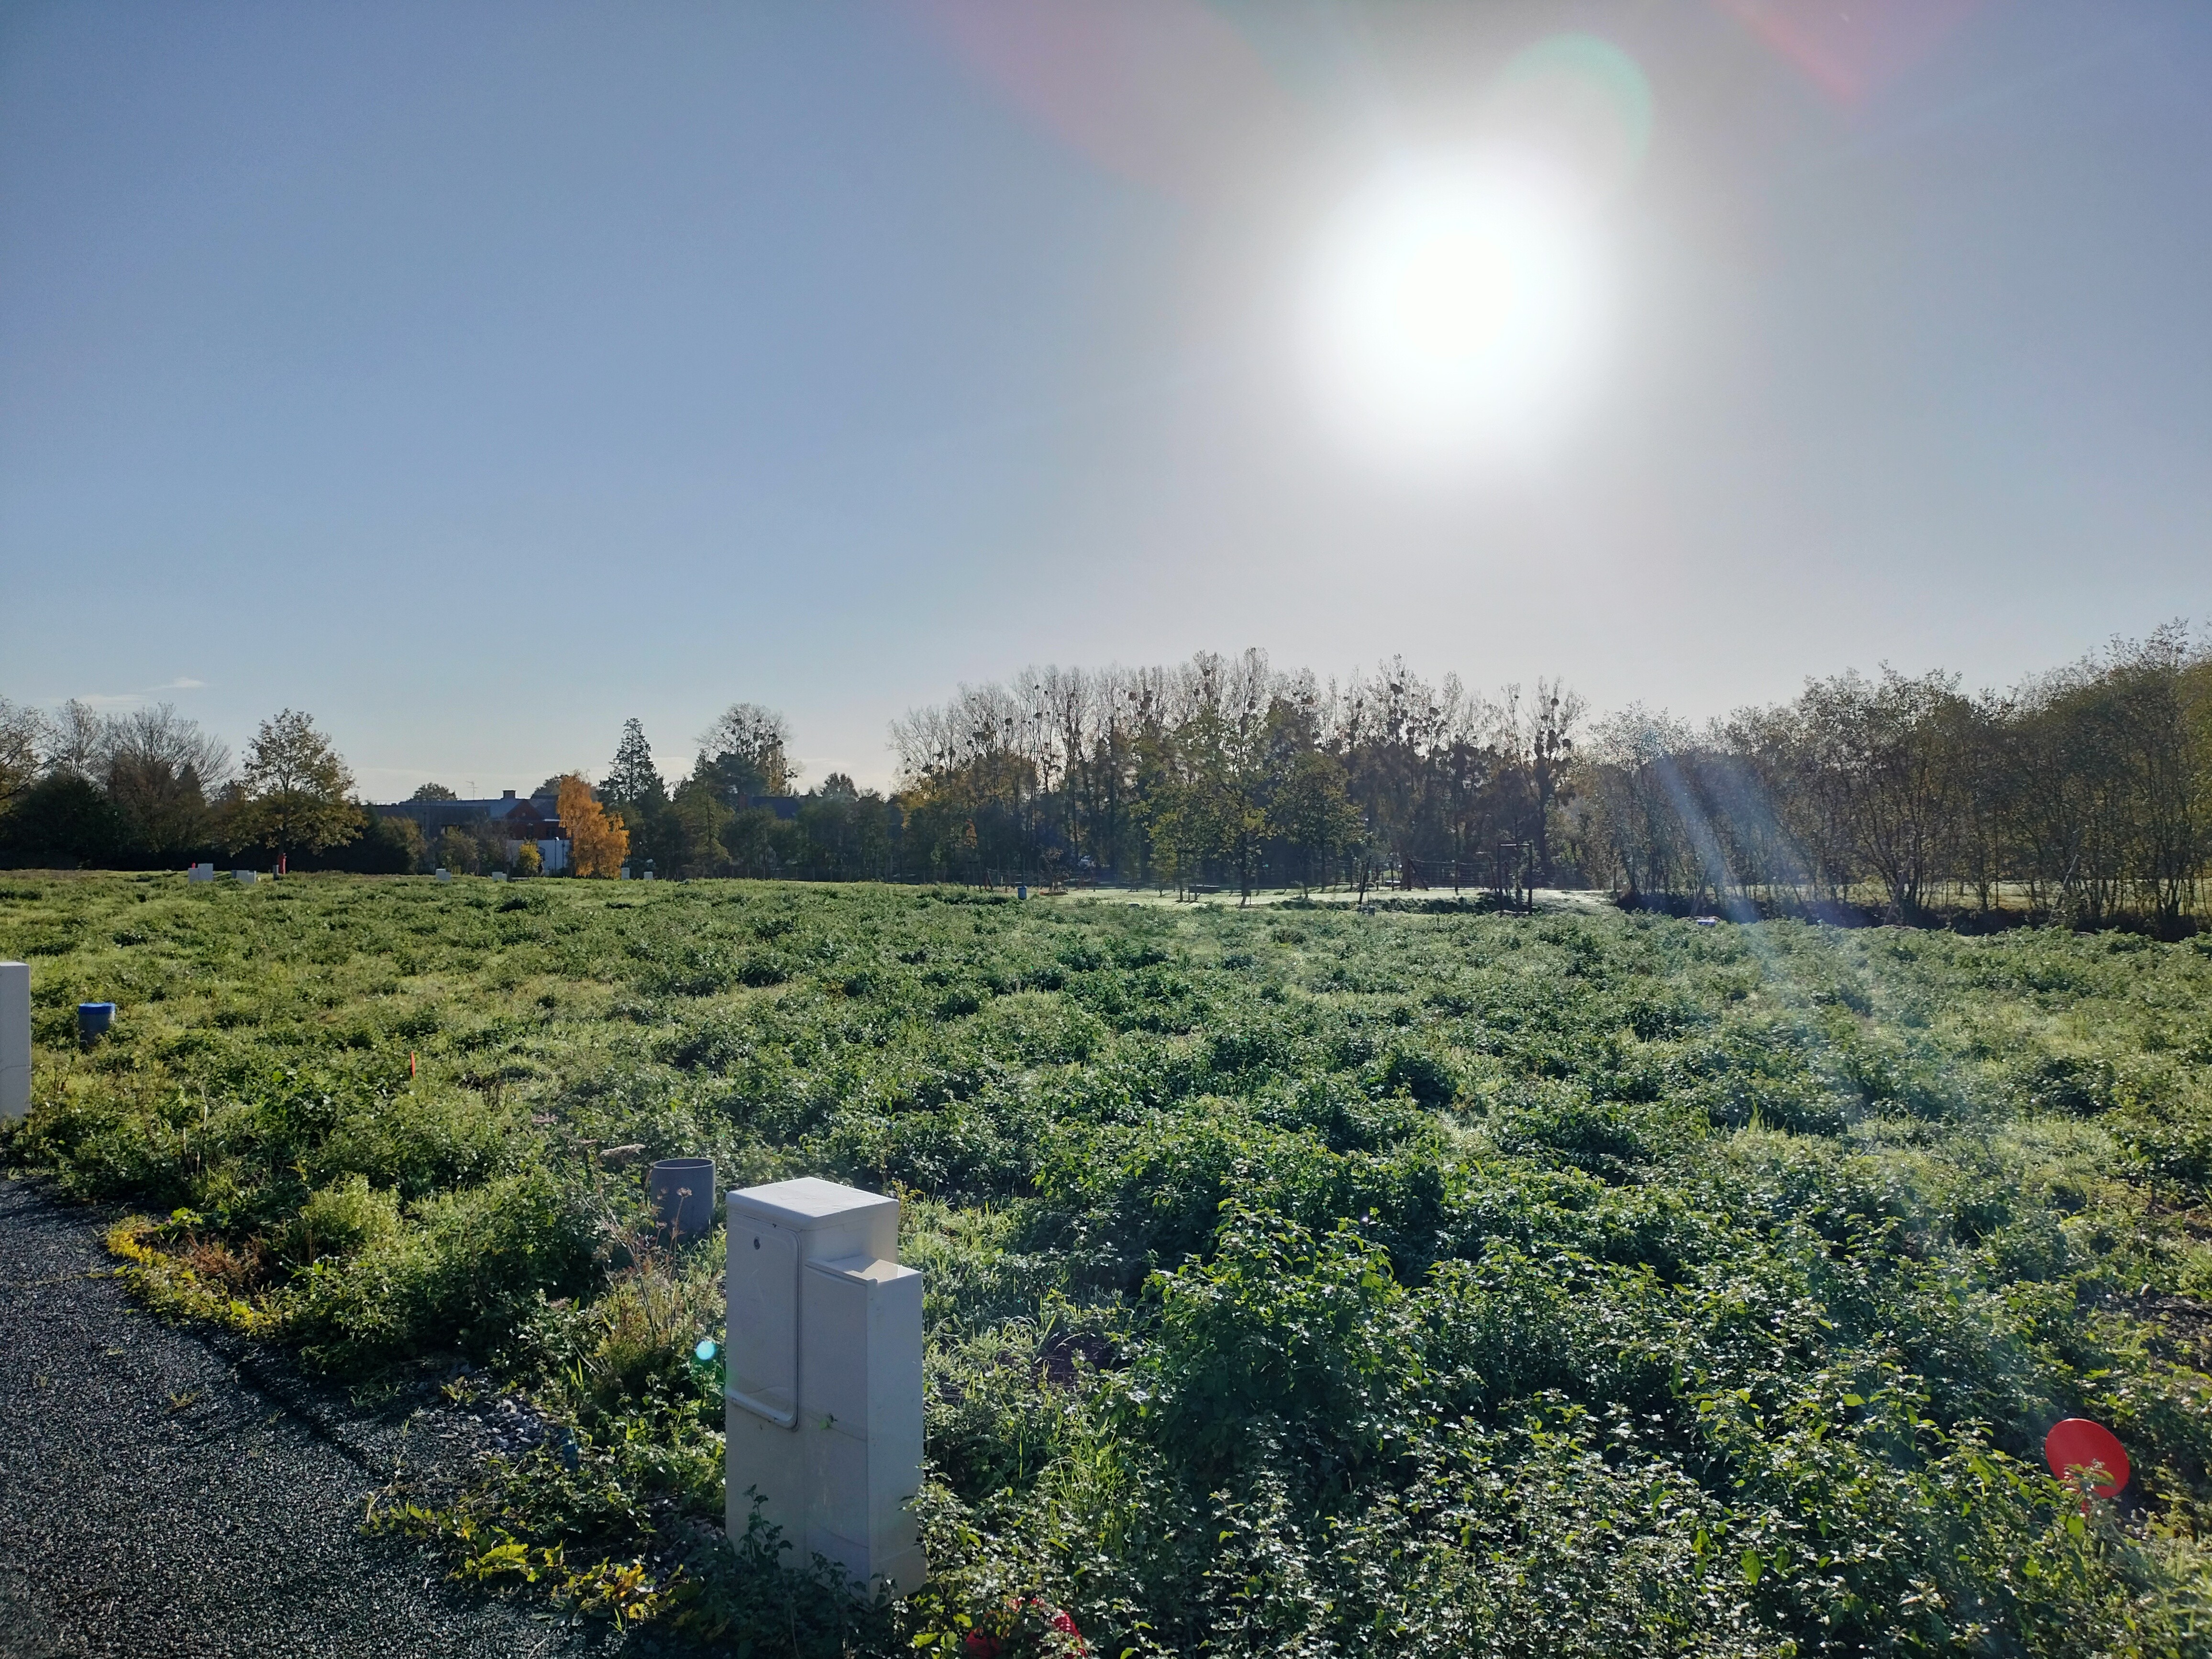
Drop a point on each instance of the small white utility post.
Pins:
(14, 1040)
(823, 1405)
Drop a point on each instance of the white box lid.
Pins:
(808, 1203)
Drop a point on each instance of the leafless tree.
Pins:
(756, 738)
(162, 772)
(23, 750)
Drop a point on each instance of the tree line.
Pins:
(739, 811)
(150, 789)
(1226, 772)
(2083, 795)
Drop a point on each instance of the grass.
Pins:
(1298, 1280)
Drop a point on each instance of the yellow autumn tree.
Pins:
(596, 846)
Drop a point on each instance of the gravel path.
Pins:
(163, 1493)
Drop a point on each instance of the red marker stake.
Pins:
(2078, 1446)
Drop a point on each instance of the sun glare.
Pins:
(1456, 311)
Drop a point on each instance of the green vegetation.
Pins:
(1299, 1280)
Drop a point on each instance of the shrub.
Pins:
(459, 1280)
(339, 1222)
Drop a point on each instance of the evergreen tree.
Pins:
(632, 780)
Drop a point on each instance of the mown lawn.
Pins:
(1302, 1281)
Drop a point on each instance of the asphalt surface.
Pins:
(164, 1493)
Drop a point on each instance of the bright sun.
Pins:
(1456, 311)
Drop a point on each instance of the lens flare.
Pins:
(1579, 98)
(1457, 309)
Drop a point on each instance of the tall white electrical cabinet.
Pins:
(823, 1402)
(14, 1039)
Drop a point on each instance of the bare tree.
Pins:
(23, 750)
(2090, 789)
(161, 771)
(1885, 747)
(76, 742)
(1538, 732)
(748, 739)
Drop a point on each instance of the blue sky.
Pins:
(476, 376)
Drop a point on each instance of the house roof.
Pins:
(537, 811)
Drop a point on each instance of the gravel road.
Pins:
(168, 1494)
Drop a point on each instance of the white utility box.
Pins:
(200, 872)
(823, 1404)
(14, 1040)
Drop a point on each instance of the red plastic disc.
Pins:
(2076, 1443)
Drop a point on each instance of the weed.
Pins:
(1411, 1282)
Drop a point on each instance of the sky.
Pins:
(476, 376)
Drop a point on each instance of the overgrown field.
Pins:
(1301, 1281)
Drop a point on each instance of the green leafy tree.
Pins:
(296, 790)
(63, 822)
(384, 847)
(404, 837)
(433, 791)
(844, 832)
(457, 851)
(1314, 813)
(1886, 752)
(757, 842)
(1183, 812)
(699, 818)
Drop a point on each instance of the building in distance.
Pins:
(511, 818)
